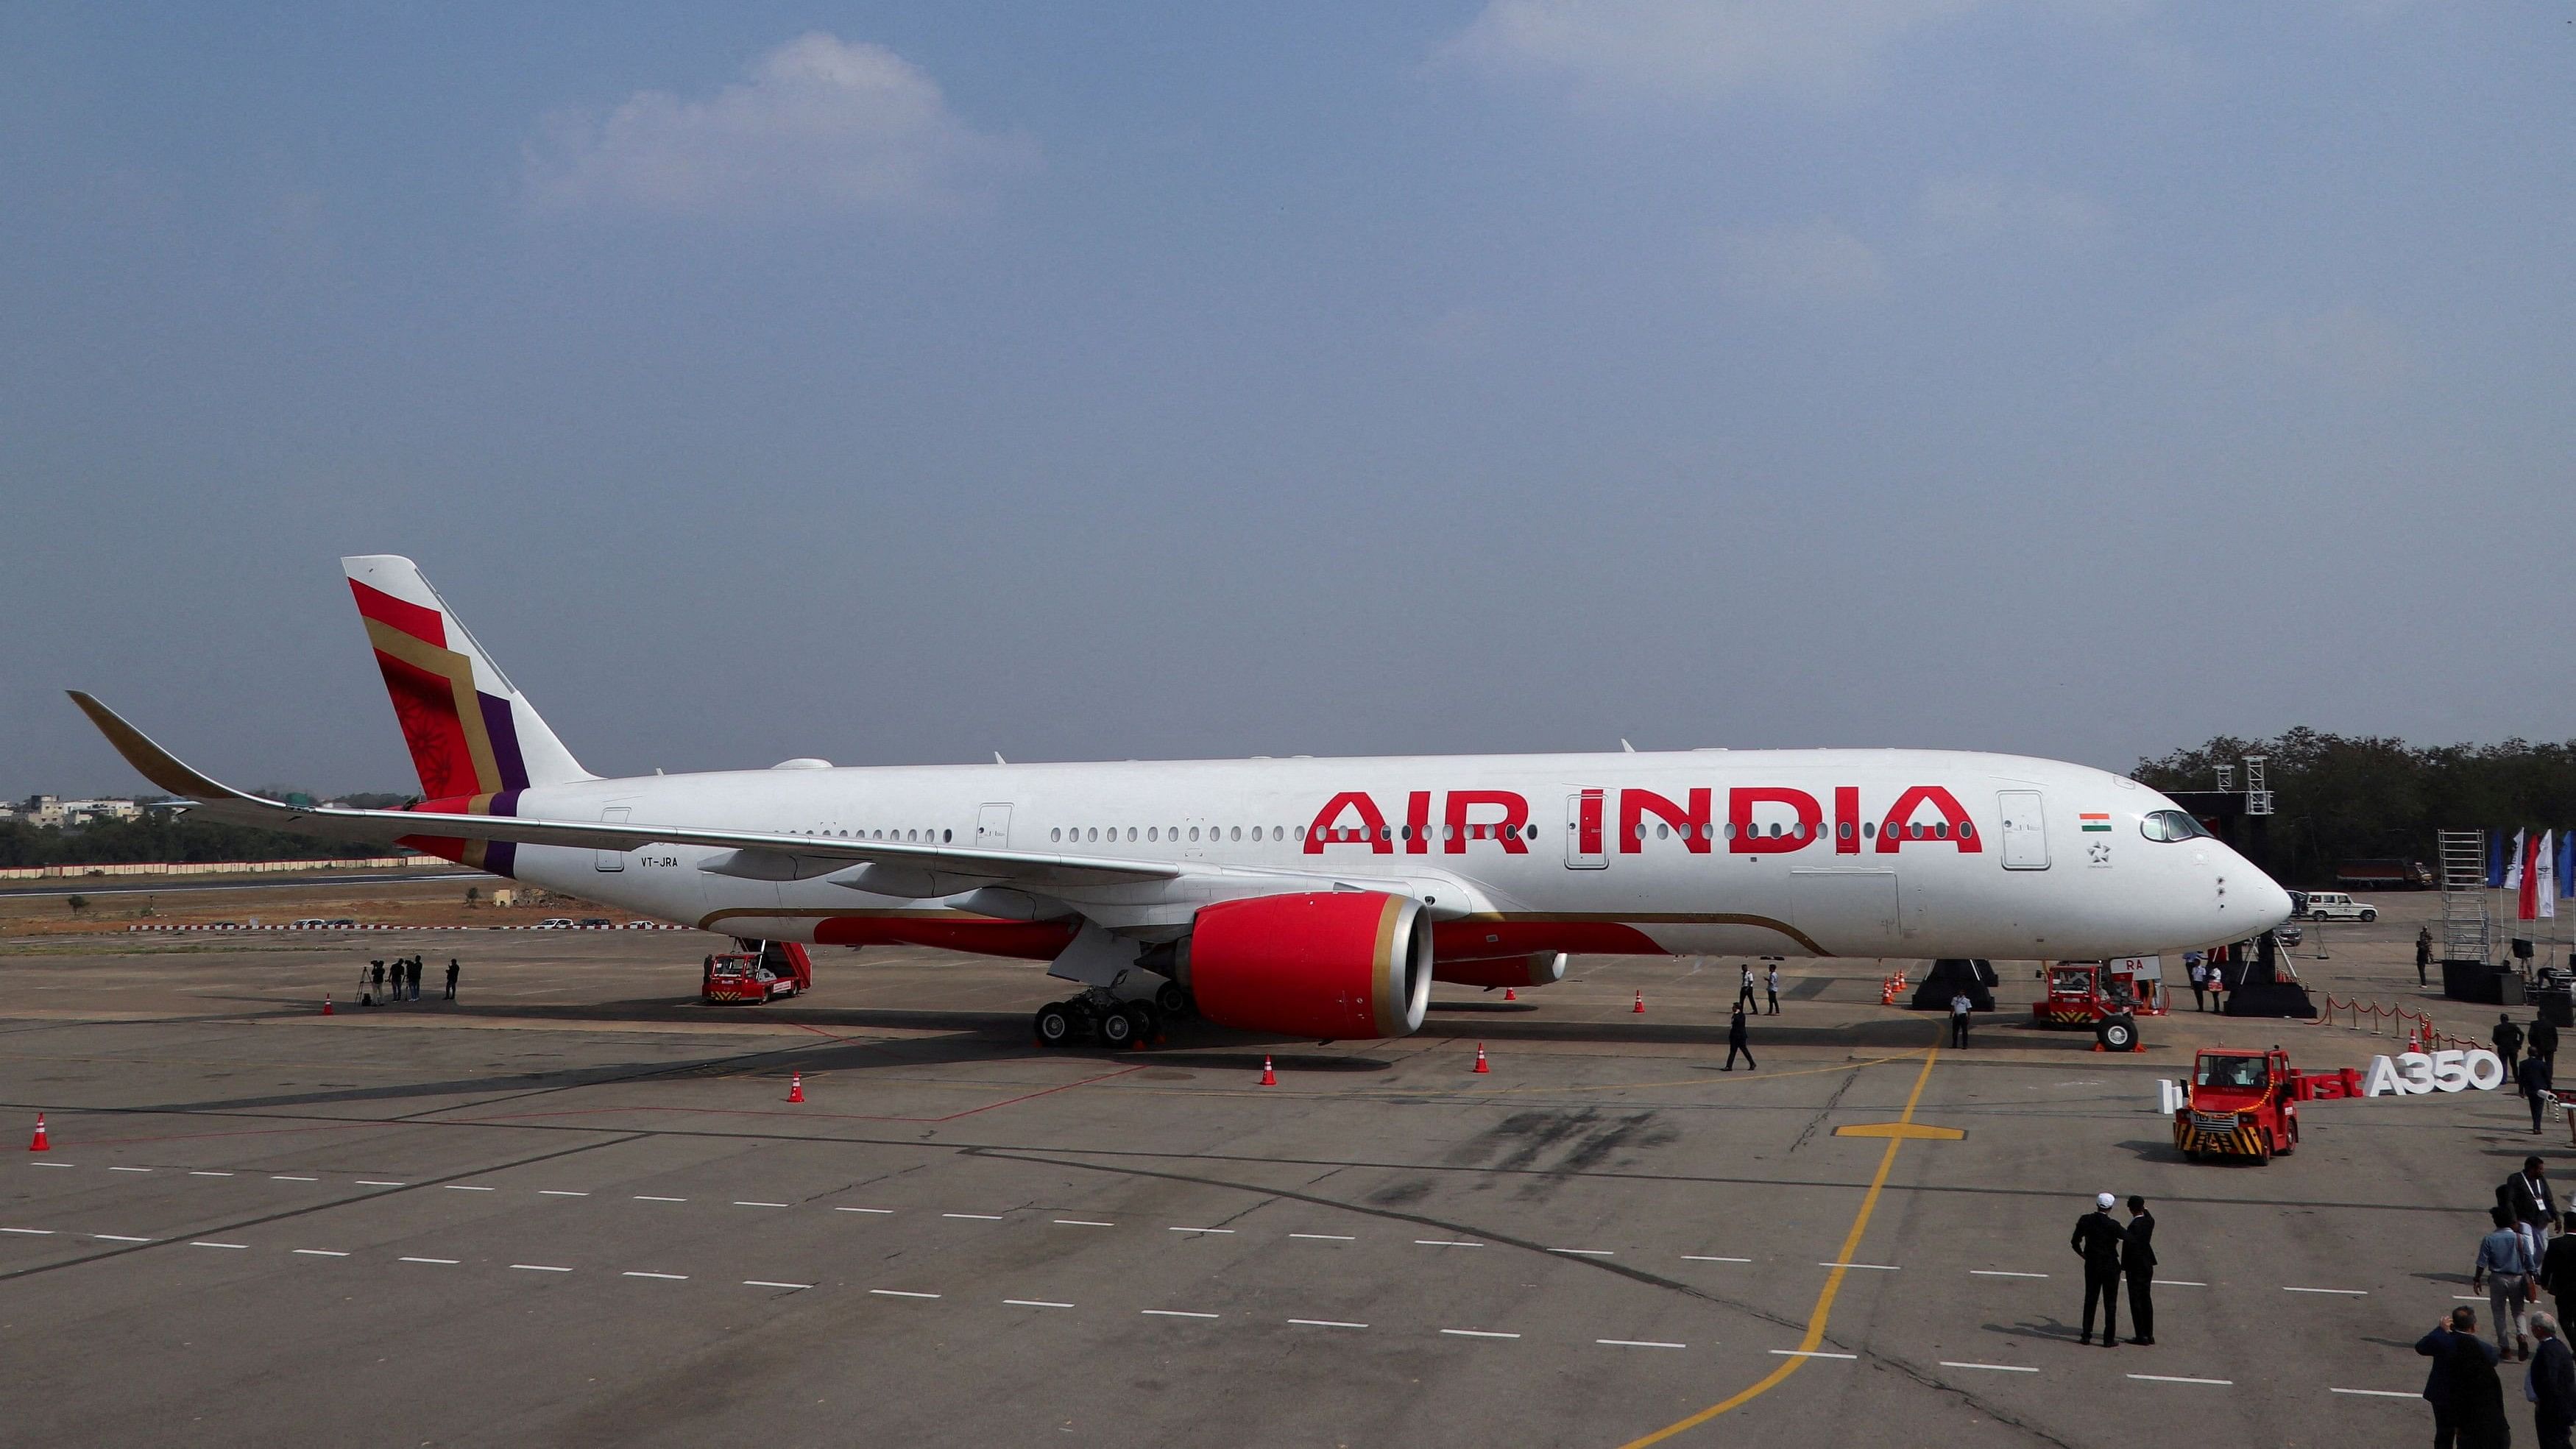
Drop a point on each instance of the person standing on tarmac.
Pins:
(1771, 985)
(2543, 1038)
(2098, 1240)
(2508, 1041)
(2504, 1261)
(380, 979)
(453, 971)
(2532, 1080)
(1736, 1039)
(2558, 1266)
(1960, 1006)
(2199, 982)
(2551, 1384)
(2468, 1402)
(2138, 1261)
(2423, 953)
(1744, 993)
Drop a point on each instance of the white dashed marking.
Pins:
(463, 1187)
(539, 1268)
(363, 1182)
(1198, 1230)
(1585, 1252)
(2001, 1273)
(879, 1211)
(2176, 1283)
(53, 1164)
(30, 1232)
(119, 1238)
(1324, 1323)
(1034, 1303)
(559, 1192)
(318, 1252)
(1873, 1267)
(1443, 1243)
(2000, 1368)
(2338, 1292)
(975, 1217)
(1172, 1313)
(129, 1169)
(665, 1277)
(1705, 1258)
(1810, 1353)
(2177, 1379)
(2377, 1393)
(739, 1203)
(639, 1197)
(219, 1245)
(442, 1262)
(1638, 1343)
(899, 1293)
(1475, 1333)
(1081, 1223)
(1327, 1237)
(202, 1172)
(282, 1177)
(765, 1283)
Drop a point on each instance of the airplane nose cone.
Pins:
(2266, 903)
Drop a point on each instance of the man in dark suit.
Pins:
(2527, 1196)
(2558, 1266)
(2457, 1354)
(2138, 1261)
(2098, 1241)
(2553, 1384)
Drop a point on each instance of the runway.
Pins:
(574, 1208)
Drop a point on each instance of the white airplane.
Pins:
(1306, 897)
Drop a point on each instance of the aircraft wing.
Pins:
(761, 854)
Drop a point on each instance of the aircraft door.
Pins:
(1584, 847)
(993, 827)
(2025, 830)
(612, 859)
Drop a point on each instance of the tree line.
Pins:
(162, 837)
(2358, 797)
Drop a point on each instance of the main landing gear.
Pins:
(1099, 1015)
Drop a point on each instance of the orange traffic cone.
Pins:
(1269, 1078)
(1640, 1008)
(1511, 994)
(1480, 1058)
(326, 1003)
(40, 1144)
(796, 1087)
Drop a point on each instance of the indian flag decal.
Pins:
(2095, 822)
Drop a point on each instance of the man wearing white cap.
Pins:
(2098, 1241)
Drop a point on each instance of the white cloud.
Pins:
(1609, 50)
(2228, 342)
(1814, 261)
(1965, 211)
(822, 124)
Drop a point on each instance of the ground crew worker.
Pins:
(453, 971)
(1960, 1006)
(2423, 953)
(2532, 1080)
(2199, 983)
(2543, 1038)
(1771, 984)
(1735, 1038)
(2098, 1240)
(2138, 1261)
(2508, 1040)
(1744, 993)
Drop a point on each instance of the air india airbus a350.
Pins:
(1306, 897)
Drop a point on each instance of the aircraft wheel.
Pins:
(1117, 1029)
(1141, 1016)
(1054, 1025)
(2116, 1033)
(1170, 999)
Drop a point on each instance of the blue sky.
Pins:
(901, 383)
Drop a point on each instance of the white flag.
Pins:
(2546, 866)
(2513, 863)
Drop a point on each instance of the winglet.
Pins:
(150, 760)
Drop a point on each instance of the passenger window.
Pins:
(1301, 832)
(1238, 832)
(1940, 829)
(1194, 832)
(1842, 830)
(1056, 834)
(1967, 829)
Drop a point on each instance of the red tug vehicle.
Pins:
(2243, 1103)
(757, 975)
(2089, 993)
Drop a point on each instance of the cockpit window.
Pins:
(2171, 825)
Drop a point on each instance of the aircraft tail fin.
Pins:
(470, 730)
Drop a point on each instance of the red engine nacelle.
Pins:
(1330, 964)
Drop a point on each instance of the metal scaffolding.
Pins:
(2468, 933)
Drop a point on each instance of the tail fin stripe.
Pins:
(420, 623)
(504, 737)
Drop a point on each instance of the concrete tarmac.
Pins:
(575, 1208)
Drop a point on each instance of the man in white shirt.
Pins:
(1960, 1006)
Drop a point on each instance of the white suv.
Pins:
(2336, 906)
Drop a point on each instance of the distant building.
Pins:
(53, 810)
